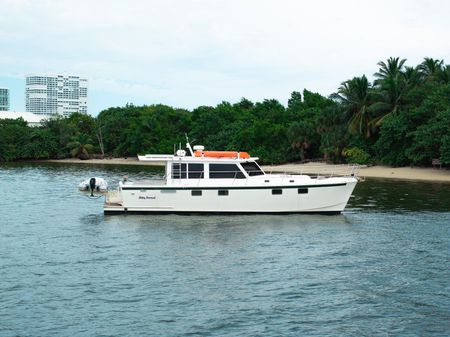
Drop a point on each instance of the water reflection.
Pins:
(374, 269)
(397, 195)
(92, 219)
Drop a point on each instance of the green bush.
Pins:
(355, 155)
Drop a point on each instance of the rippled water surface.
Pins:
(379, 269)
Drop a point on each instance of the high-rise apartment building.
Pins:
(4, 99)
(56, 94)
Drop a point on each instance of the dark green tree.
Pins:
(80, 146)
(356, 98)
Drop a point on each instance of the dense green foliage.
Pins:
(402, 118)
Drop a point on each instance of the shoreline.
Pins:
(378, 172)
(381, 172)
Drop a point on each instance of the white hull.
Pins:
(228, 182)
(329, 195)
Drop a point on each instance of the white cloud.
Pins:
(188, 53)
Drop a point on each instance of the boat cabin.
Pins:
(207, 164)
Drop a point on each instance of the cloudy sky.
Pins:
(187, 53)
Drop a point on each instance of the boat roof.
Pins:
(198, 154)
(171, 158)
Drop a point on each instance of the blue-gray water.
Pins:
(379, 269)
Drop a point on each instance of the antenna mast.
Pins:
(188, 145)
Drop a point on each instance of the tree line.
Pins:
(401, 118)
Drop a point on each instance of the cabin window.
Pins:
(178, 171)
(302, 191)
(228, 171)
(196, 171)
(222, 192)
(196, 192)
(277, 191)
(252, 168)
(191, 171)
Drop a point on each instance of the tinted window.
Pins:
(277, 191)
(196, 192)
(252, 169)
(223, 192)
(196, 171)
(302, 190)
(225, 171)
(181, 171)
(178, 171)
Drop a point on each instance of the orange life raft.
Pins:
(222, 154)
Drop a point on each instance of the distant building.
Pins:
(30, 118)
(56, 94)
(4, 99)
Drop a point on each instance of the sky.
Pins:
(187, 53)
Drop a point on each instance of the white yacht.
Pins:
(228, 182)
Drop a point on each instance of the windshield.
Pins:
(252, 168)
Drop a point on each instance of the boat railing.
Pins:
(233, 176)
(319, 171)
(183, 175)
(314, 171)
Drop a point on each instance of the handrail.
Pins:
(316, 171)
(321, 171)
(186, 173)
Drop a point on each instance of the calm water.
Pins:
(380, 269)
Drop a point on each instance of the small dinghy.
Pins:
(93, 185)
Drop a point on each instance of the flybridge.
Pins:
(198, 153)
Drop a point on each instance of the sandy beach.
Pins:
(384, 172)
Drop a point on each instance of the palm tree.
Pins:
(356, 97)
(80, 146)
(443, 76)
(430, 67)
(300, 135)
(393, 80)
(390, 69)
(331, 126)
(411, 76)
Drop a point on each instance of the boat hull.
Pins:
(320, 197)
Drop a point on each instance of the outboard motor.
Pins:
(92, 186)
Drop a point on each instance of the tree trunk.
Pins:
(100, 141)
